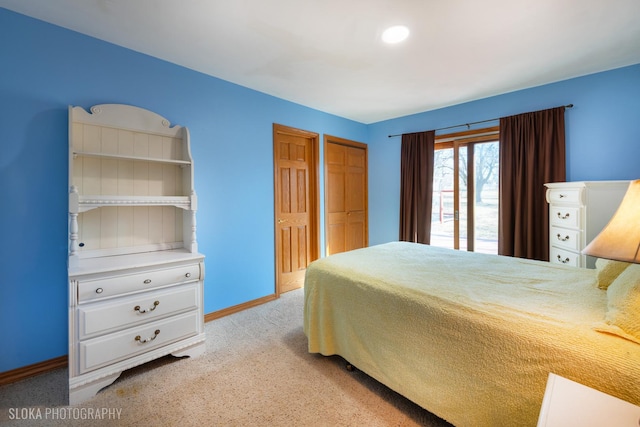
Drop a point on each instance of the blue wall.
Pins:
(45, 68)
(602, 135)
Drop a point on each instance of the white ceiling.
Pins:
(326, 54)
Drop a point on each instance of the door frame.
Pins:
(470, 214)
(313, 191)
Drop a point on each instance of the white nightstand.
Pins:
(568, 403)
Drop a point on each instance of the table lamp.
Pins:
(620, 239)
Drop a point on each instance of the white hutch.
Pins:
(135, 274)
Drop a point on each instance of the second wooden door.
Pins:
(346, 196)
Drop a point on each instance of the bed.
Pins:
(470, 337)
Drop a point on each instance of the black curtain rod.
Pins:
(468, 125)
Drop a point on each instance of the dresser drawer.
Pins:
(565, 238)
(559, 256)
(93, 290)
(107, 349)
(109, 316)
(572, 196)
(564, 216)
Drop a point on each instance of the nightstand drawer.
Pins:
(107, 349)
(93, 290)
(565, 216)
(109, 316)
(559, 256)
(565, 238)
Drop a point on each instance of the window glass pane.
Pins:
(442, 207)
(486, 197)
(462, 185)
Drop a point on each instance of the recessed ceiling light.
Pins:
(395, 34)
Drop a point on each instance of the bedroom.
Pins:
(45, 68)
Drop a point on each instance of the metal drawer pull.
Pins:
(146, 340)
(564, 261)
(563, 239)
(187, 275)
(146, 282)
(563, 217)
(139, 310)
(562, 196)
(99, 290)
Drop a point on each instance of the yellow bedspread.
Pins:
(469, 337)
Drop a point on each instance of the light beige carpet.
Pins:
(256, 372)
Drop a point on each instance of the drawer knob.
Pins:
(562, 196)
(562, 239)
(187, 275)
(147, 281)
(146, 340)
(99, 290)
(142, 310)
(564, 261)
(565, 216)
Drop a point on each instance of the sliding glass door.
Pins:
(465, 191)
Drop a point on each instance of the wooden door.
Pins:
(346, 197)
(295, 154)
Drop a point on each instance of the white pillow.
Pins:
(623, 305)
(608, 270)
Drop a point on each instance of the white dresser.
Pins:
(135, 275)
(578, 211)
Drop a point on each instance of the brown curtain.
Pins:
(416, 186)
(532, 153)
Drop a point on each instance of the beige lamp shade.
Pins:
(620, 239)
